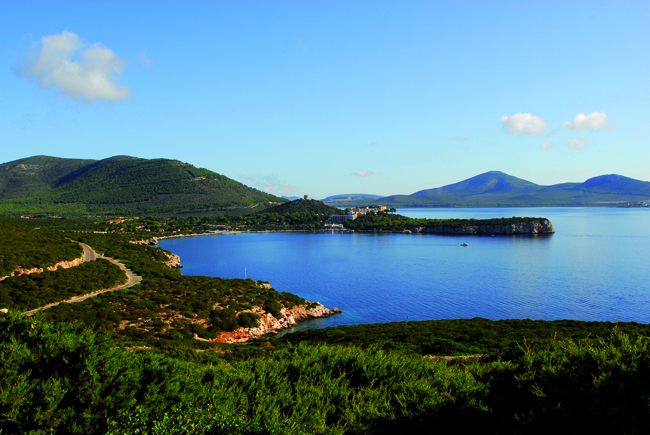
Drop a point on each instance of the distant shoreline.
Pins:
(546, 228)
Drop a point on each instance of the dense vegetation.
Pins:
(300, 214)
(175, 307)
(121, 185)
(395, 222)
(58, 378)
(166, 306)
(308, 206)
(31, 291)
(25, 176)
(29, 248)
(502, 338)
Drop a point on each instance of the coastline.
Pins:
(270, 325)
(543, 226)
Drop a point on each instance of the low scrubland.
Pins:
(62, 378)
(128, 363)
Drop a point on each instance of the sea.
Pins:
(596, 267)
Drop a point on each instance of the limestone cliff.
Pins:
(268, 324)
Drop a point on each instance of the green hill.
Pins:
(121, 185)
(22, 177)
(302, 206)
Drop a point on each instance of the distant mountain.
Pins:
(351, 200)
(489, 182)
(353, 195)
(290, 198)
(121, 185)
(497, 189)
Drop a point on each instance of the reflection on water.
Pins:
(596, 267)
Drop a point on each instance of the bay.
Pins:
(595, 267)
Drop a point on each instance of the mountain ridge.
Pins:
(498, 189)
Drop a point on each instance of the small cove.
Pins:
(596, 267)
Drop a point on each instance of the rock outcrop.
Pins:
(152, 241)
(174, 261)
(268, 324)
(61, 264)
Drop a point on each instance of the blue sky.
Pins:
(327, 97)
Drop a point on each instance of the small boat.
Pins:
(463, 244)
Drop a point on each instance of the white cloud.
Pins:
(459, 138)
(577, 144)
(145, 60)
(594, 121)
(270, 184)
(362, 173)
(634, 135)
(523, 123)
(546, 145)
(83, 72)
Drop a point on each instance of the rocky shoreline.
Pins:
(269, 325)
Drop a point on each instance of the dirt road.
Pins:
(90, 255)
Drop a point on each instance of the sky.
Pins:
(333, 97)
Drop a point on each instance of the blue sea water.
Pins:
(595, 267)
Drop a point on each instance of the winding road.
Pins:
(90, 255)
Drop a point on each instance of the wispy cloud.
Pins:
(83, 72)
(459, 138)
(577, 143)
(145, 60)
(546, 145)
(362, 173)
(634, 135)
(270, 184)
(594, 121)
(523, 123)
(370, 144)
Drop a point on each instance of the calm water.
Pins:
(595, 267)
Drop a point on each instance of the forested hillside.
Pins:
(26, 248)
(122, 185)
(309, 206)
